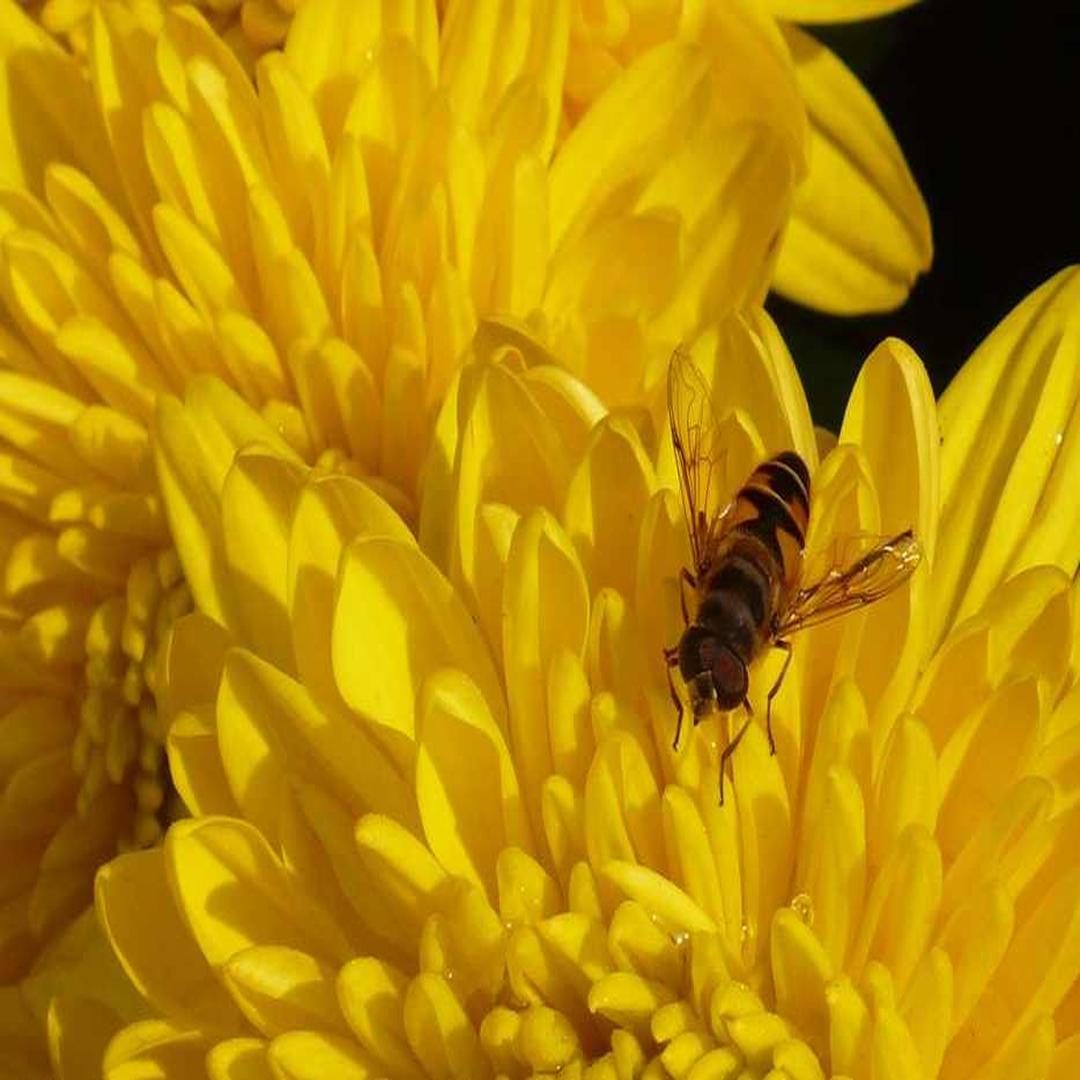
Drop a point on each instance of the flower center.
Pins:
(121, 736)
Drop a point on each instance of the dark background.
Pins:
(984, 98)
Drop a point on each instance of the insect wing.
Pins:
(879, 566)
(695, 435)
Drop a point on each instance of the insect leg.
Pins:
(672, 658)
(685, 578)
(730, 748)
(786, 646)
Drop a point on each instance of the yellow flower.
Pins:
(440, 829)
(859, 233)
(323, 239)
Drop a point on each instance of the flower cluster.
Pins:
(323, 239)
(439, 828)
(858, 233)
(340, 541)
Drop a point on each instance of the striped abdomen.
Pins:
(773, 508)
(758, 561)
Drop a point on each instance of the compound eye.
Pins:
(729, 678)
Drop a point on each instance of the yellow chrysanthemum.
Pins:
(859, 233)
(439, 828)
(323, 239)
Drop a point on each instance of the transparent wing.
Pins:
(860, 570)
(695, 434)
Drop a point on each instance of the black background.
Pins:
(984, 98)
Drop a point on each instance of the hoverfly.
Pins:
(748, 564)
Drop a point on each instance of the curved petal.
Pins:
(466, 824)
(834, 11)
(156, 948)
(257, 504)
(859, 232)
(396, 620)
(666, 197)
(196, 444)
(155, 1048)
(330, 512)
(545, 611)
(311, 1055)
(605, 503)
(1010, 428)
(333, 46)
(282, 989)
(234, 893)
(80, 1029)
(47, 108)
(372, 997)
(891, 416)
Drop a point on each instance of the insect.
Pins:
(747, 578)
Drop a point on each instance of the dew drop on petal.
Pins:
(803, 906)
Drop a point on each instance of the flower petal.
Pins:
(723, 157)
(622, 805)
(1010, 442)
(48, 108)
(901, 908)
(906, 790)
(331, 44)
(801, 972)
(239, 1059)
(282, 989)
(311, 1055)
(257, 504)
(403, 869)
(330, 511)
(80, 1029)
(485, 51)
(1034, 975)
(545, 606)
(927, 1008)
(195, 448)
(833, 11)
(396, 620)
(440, 1032)
(859, 233)
(372, 997)
(834, 853)
(155, 947)
(605, 504)
(893, 390)
(155, 1048)
(270, 728)
(234, 893)
(466, 824)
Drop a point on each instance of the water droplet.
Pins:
(1059, 438)
(746, 931)
(803, 906)
(681, 938)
